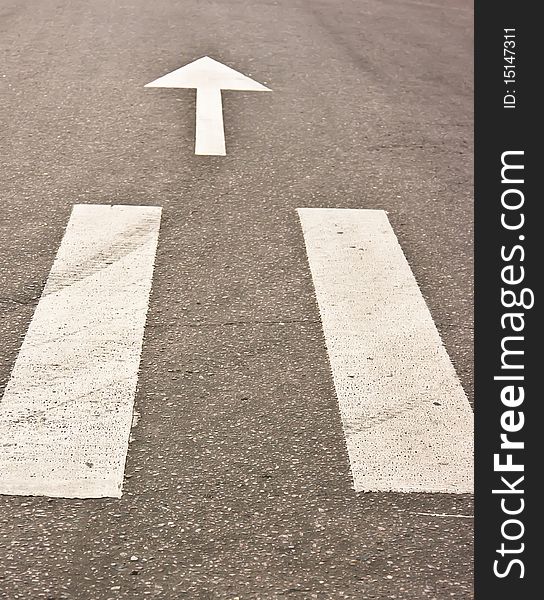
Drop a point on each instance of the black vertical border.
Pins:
(498, 130)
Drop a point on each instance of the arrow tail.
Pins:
(210, 131)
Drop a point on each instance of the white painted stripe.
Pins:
(210, 132)
(407, 422)
(66, 413)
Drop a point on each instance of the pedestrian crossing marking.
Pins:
(66, 413)
(407, 423)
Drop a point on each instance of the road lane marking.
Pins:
(407, 422)
(66, 413)
(209, 77)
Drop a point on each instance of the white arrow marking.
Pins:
(209, 77)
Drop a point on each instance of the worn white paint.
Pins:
(209, 77)
(66, 413)
(407, 422)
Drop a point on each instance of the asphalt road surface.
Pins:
(238, 484)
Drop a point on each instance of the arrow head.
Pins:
(207, 72)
